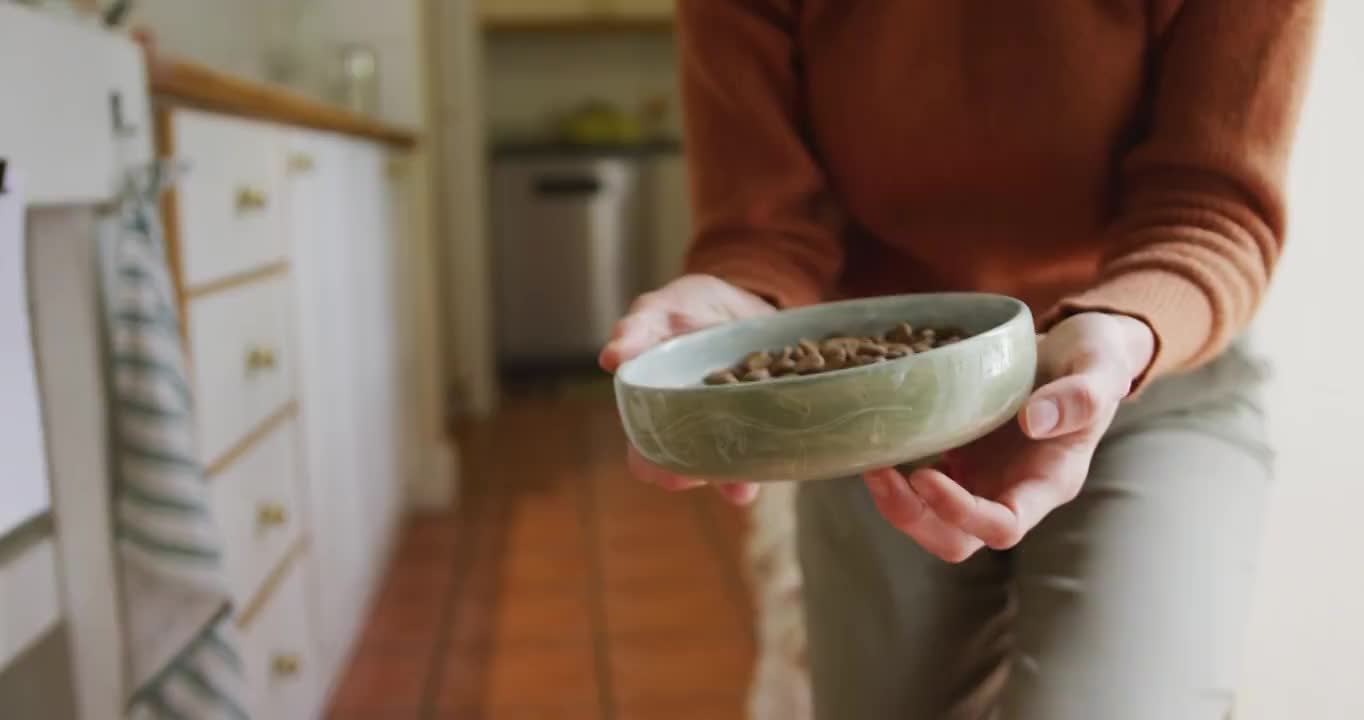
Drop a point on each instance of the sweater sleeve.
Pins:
(763, 217)
(1200, 219)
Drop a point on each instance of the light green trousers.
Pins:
(1127, 604)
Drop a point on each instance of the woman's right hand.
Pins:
(687, 304)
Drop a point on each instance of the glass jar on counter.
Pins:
(357, 87)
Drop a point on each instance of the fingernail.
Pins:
(745, 495)
(1042, 416)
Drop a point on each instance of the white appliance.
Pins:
(76, 116)
(571, 238)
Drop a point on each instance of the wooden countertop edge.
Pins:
(190, 85)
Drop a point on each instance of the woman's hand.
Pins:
(992, 492)
(685, 305)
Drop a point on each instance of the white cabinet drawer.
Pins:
(281, 666)
(258, 505)
(230, 213)
(240, 353)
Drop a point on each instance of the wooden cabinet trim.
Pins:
(186, 84)
(237, 280)
(252, 438)
(248, 613)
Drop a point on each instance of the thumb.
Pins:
(740, 494)
(634, 334)
(1073, 403)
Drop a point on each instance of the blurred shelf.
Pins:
(503, 149)
(579, 24)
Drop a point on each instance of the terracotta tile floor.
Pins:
(559, 589)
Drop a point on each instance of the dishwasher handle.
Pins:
(567, 186)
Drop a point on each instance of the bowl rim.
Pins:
(1020, 309)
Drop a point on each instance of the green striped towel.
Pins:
(182, 651)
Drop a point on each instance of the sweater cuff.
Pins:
(777, 280)
(1176, 309)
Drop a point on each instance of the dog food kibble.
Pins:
(834, 353)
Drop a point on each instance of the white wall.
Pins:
(467, 282)
(1307, 643)
(532, 76)
(389, 27)
(223, 34)
(672, 218)
(241, 36)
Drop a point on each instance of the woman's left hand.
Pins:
(992, 492)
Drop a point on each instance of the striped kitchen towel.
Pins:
(182, 652)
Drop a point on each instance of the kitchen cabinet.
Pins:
(329, 399)
(293, 263)
(350, 383)
(230, 199)
(576, 14)
(286, 244)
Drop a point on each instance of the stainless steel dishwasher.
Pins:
(570, 252)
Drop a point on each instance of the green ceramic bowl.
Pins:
(838, 423)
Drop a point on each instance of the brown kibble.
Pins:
(757, 361)
(872, 349)
(721, 377)
(845, 344)
(836, 352)
(902, 333)
(811, 363)
(897, 350)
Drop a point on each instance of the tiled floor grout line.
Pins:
(735, 583)
(601, 646)
(480, 501)
(435, 671)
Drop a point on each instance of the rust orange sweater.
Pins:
(1118, 155)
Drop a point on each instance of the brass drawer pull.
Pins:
(249, 198)
(286, 666)
(301, 162)
(260, 358)
(271, 515)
